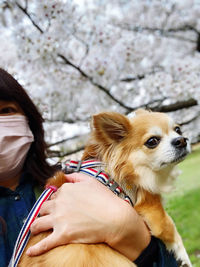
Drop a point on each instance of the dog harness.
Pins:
(93, 168)
(24, 234)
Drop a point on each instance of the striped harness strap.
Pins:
(94, 169)
(24, 234)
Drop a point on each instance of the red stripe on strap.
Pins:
(35, 215)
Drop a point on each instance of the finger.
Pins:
(76, 177)
(51, 241)
(54, 195)
(41, 224)
(46, 207)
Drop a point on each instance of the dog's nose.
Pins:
(179, 142)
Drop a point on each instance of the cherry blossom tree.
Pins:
(79, 57)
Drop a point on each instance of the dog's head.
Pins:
(147, 145)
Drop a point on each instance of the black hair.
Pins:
(35, 164)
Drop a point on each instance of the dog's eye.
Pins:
(152, 142)
(177, 129)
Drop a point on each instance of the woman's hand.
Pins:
(85, 211)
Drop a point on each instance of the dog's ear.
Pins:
(110, 126)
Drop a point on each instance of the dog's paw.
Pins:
(180, 252)
(183, 264)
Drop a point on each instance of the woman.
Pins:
(71, 214)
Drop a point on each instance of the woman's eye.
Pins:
(152, 142)
(8, 110)
(177, 129)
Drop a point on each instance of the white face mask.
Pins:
(15, 140)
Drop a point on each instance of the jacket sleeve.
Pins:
(156, 255)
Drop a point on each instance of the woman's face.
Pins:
(9, 108)
(15, 141)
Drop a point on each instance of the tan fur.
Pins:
(76, 255)
(119, 143)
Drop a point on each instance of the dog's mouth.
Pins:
(178, 158)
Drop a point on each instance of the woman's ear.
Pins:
(110, 127)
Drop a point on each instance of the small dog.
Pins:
(140, 152)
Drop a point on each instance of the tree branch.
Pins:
(142, 76)
(162, 32)
(176, 106)
(24, 10)
(167, 108)
(89, 78)
(66, 140)
(148, 105)
(26, 4)
(59, 154)
(191, 120)
(130, 79)
(70, 121)
(198, 43)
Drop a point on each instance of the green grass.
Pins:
(183, 205)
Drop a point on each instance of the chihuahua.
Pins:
(140, 152)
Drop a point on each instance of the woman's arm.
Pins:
(85, 211)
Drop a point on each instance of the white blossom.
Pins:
(65, 52)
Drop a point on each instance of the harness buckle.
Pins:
(66, 168)
(78, 166)
(113, 187)
(97, 174)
